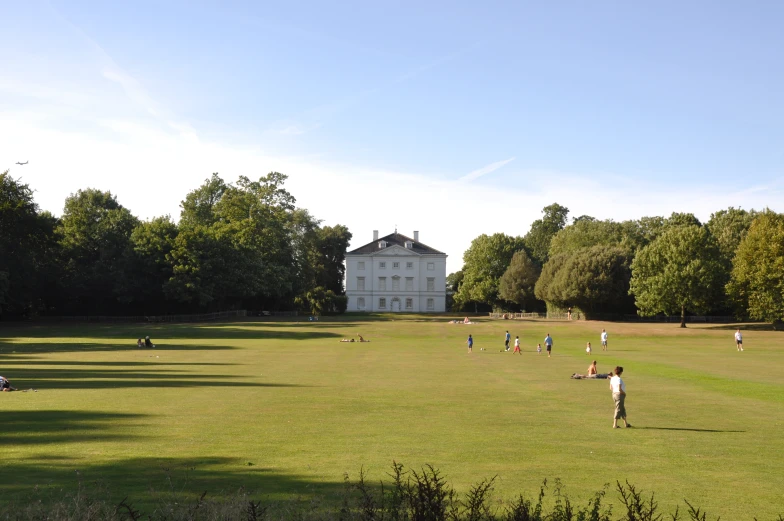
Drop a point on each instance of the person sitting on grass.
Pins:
(5, 385)
(148, 342)
(139, 343)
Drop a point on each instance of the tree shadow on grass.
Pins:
(44, 361)
(683, 429)
(9, 347)
(745, 327)
(150, 482)
(160, 333)
(44, 378)
(55, 426)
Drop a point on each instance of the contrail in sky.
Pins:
(492, 167)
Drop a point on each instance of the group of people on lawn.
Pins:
(145, 343)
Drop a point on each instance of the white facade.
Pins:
(396, 274)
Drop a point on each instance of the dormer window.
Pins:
(382, 244)
(409, 245)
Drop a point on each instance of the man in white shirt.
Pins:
(739, 340)
(604, 340)
(619, 397)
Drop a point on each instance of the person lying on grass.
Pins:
(592, 373)
(5, 385)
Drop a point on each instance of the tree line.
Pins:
(731, 265)
(236, 245)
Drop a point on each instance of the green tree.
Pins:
(591, 279)
(198, 208)
(211, 268)
(518, 281)
(333, 244)
(542, 231)
(147, 266)
(679, 271)
(319, 300)
(453, 282)
(319, 254)
(484, 262)
(28, 250)
(757, 283)
(94, 234)
(585, 233)
(729, 227)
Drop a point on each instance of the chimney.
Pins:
(375, 235)
(416, 235)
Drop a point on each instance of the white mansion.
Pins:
(396, 273)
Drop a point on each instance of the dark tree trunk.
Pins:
(683, 316)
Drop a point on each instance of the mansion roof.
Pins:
(395, 239)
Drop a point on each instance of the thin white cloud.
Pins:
(298, 130)
(131, 86)
(151, 170)
(492, 167)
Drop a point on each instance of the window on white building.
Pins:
(360, 283)
(382, 303)
(409, 304)
(409, 283)
(431, 304)
(409, 265)
(395, 283)
(431, 284)
(382, 283)
(382, 265)
(361, 303)
(395, 265)
(360, 265)
(431, 266)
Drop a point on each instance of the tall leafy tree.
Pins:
(729, 227)
(94, 234)
(198, 208)
(592, 279)
(28, 249)
(585, 233)
(679, 271)
(757, 283)
(542, 231)
(484, 263)
(518, 281)
(333, 243)
(148, 265)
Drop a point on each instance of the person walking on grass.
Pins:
(739, 340)
(604, 340)
(517, 346)
(618, 389)
(506, 340)
(548, 344)
(470, 343)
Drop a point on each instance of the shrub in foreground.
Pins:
(408, 496)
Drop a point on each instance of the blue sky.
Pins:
(451, 118)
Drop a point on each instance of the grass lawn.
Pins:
(285, 409)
